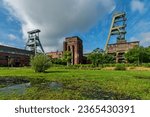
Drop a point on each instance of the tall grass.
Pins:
(82, 84)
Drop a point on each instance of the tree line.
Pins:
(97, 57)
(138, 55)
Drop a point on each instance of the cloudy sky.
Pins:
(57, 19)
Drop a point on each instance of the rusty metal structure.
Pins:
(74, 44)
(120, 48)
(33, 43)
(118, 29)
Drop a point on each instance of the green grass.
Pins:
(82, 84)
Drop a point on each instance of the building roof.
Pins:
(13, 50)
(77, 37)
(124, 43)
(54, 52)
(34, 31)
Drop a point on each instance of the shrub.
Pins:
(40, 62)
(58, 61)
(37, 81)
(146, 65)
(120, 67)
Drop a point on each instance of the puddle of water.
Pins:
(13, 85)
(17, 88)
(52, 85)
(21, 88)
(55, 85)
(19, 85)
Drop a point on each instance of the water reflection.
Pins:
(17, 88)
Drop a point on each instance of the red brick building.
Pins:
(54, 55)
(74, 44)
(120, 48)
(14, 56)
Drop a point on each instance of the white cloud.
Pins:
(58, 18)
(3, 44)
(137, 5)
(144, 39)
(12, 37)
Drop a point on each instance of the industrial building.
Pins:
(10, 56)
(118, 29)
(74, 44)
(20, 57)
(55, 55)
(120, 48)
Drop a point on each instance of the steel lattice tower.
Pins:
(117, 28)
(33, 42)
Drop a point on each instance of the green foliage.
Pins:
(109, 65)
(58, 61)
(40, 62)
(67, 56)
(120, 67)
(98, 57)
(83, 67)
(146, 65)
(81, 84)
(37, 81)
(108, 59)
(138, 55)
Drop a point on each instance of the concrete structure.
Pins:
(74, 44)
(55, 55)
(117, 28)
(14, 56)
(120, 48)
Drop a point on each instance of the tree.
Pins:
(58, 61)
(147, 55)
(96, 57)
(40, 62)
(67, 56)
(138, 55)
(107, 58)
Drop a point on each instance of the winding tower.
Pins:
(33, 43)
(118, 28)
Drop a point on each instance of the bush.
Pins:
(58, 61)
(146, 65)
(120, 67)
(109, 65)
(40, 62)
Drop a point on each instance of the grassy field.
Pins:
(79, 84)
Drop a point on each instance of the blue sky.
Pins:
(15, 21)
(10, 33)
